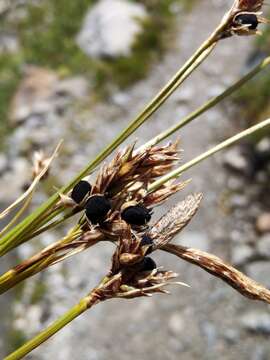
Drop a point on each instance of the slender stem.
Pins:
(177, 172)
(8, 242)
(85, 304)
(50, 226)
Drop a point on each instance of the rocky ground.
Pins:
(207, 321)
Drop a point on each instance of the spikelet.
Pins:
(175, 220)
(249, 13)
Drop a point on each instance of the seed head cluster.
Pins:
(118, 207)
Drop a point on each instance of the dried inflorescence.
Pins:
(120, 195)
(244, 18)
(135, 270)
(118, 207)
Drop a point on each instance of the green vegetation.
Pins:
(46, 35)
(253, 98)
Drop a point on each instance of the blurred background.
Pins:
(80, 71)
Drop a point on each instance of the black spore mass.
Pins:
(80, 190)
(96, 209)
(147, 264)
(136, 215)
(248, 19)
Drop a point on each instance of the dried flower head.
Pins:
(120, 191)
(244, 18)
(137, 273)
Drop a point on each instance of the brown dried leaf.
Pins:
(217, 267)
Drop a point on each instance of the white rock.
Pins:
(110, 28)
(176, 324)
(241, 254)
(29, 319)
(235, 159)
(263, 145)
(120, 99)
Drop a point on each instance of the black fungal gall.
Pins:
(147, 264)
(247, 19)
(96, 209)
(136, 215)
(80, 191)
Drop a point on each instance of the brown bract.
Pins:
(249, 5)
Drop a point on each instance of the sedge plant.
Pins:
(117, 206)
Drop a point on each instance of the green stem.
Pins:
(177, 172)
(14, 237)
(50, 226)
(85, 304)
